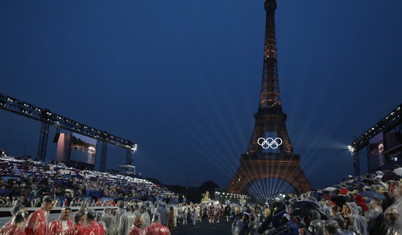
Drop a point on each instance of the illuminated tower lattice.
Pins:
(261, 163)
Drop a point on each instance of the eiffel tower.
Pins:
(274, 158)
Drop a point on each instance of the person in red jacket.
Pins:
(156, 228)
(38, 220)
(137, 227)
(13, 212)
(79, 220)
(92, 227)
(61, 225)
(16, 227)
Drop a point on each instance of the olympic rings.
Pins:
(269, 142)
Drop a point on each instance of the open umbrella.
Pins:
(389, 176)
(343, 191)
(372, 194)
(398, 171)
(368, 181)
(276, 220)
(301, 212)
(339, 200)
(330, 189)
(305, 204)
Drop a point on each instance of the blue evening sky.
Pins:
(182, 78)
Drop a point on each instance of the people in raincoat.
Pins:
(164, 214)
(121, 211)
(107, 220)
(38, 220)
(156, 228)
(392, 216)
(145, 216)
(253, 225)
(348, 228)
(176, 215)
(374, 210)
(79, 220)
(137, 228)
(227, 212)
(240, 226)
(13, 212)
(332, 228)
(316, 226)
(17, 226)
(92, 227)
(126, 221)
(351, 209)
(61, 225)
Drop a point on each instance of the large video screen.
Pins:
(82, 149)
(376, 156)
(63, 147)
(393, 138)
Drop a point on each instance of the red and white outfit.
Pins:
(92, 228)
(75, 229)
(37, 223)
(8, 223)
(12, 229)
(157, 229)
(59, 227)
(136, 231)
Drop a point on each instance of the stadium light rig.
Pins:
(19, 107)
(389, 120)
(134, 147)
(351, 149)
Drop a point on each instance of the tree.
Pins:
(208, 186)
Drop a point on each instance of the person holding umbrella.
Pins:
(287, 227)
(317, 224)
(337, 207)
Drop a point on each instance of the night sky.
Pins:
(182, 78)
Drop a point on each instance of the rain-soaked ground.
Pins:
(223, 228)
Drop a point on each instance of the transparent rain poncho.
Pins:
(358, 221)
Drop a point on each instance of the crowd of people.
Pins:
(127, 217)
(85, 221)
(369, 204)
(26, 182)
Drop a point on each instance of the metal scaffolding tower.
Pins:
(46, 117)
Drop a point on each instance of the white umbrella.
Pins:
(330, 189)
(398, 171)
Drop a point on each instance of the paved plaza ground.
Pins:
(204, 228)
